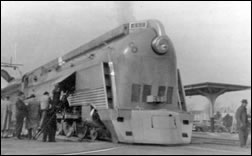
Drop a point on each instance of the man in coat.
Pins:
(21, 113)
(52, 112)
(242, 122)
(33, 117)
(7, 106)
(3, 116)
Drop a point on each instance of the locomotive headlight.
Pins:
(160, 45)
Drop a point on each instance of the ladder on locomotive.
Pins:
(108, 84)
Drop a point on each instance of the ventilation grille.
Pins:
(95, 97)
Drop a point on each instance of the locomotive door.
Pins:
(93, 86)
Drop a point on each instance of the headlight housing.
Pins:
(160, 45)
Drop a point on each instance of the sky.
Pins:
(212, 39)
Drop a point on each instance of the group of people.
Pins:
(39, 114)
(7, 116)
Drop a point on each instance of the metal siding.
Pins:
(89, 96)
(135, 92)
(161, 91)
(90, 88)
(90, 78)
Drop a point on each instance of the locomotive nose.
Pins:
(160, 45)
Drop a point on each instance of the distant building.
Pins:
(200, 116)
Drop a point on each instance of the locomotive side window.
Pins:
(169, 95)
(135, 92)
(161, 91)
(146, 92)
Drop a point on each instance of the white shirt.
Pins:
(44, 102)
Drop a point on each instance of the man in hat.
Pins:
(242, 122)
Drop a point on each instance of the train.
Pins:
(129, 76)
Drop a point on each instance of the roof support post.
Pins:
(212, 99)
(211, 91)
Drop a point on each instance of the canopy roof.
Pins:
(12, 88)
(212, 88)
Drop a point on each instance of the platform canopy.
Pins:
(212, 88)
(12, 88)
(212, 91)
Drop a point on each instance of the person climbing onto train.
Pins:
(242, 122)
(56, 94)
(63, 101)
(55, 104)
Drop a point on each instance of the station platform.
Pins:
(67, 146)
(217, 138)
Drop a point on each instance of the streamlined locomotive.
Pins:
(129, 76)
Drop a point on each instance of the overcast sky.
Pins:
(212, 39)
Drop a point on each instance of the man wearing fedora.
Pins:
(242, 122)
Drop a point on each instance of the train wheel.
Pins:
(67, 128)
(81, 131)
(93, 134)
(71, 132)
(198, 129)
(60, 128)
